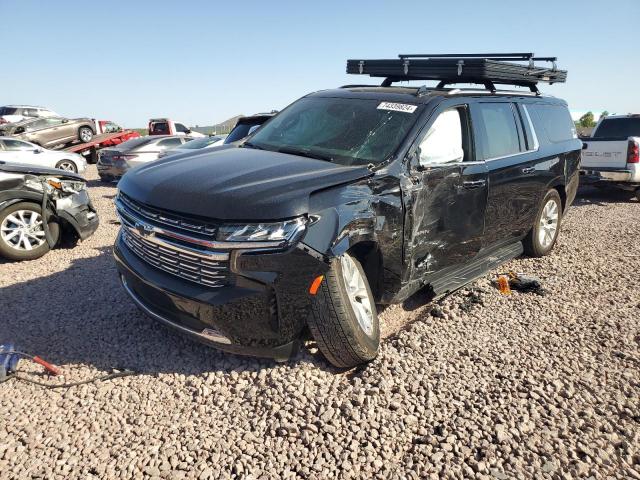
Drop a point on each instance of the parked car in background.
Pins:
(612, 154)
(17, 113)
(245, 126)
(51, 131)
(347, 199)
(17, 151)
(166, 126)
(27, 230)
(198, 144)
(113, 162)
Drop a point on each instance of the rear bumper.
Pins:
(262, 312)
(111, 172)
(630, 174)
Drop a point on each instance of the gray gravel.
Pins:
(481, 386)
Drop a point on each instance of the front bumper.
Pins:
(78, 211)
(261, 312)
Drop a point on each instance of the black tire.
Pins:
(72, 166)
(638, 194)
(532, 245)
(85, 132)
(12, 253)
(334, 324)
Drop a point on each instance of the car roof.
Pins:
(419, 94)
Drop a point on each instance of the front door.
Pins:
(446, 197)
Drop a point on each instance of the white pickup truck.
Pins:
(612, 154)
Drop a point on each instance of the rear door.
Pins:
(514, 190)
(447, 194)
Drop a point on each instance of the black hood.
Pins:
(36, 170)
(235, 184)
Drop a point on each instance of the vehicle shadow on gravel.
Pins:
(82, 315)
(589, 195)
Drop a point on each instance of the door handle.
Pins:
(470, 185)
(528, 170)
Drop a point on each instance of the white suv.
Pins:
(17, 113)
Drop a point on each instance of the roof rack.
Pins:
(486, 69)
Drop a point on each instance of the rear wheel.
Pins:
(67, 166)
(638, 194)
(22, 234)
(85, 134)
(344, 321)
(543, 235)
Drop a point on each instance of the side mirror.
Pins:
(65, 120)
(37, 150)
(585, 145)
(187, 131)
(19, 130)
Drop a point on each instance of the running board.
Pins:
(451, 280)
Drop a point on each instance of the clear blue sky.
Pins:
(203, 62)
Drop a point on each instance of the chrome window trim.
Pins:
(536, 144)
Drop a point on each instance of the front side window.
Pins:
(181, 128)
(497, 130)
(347, 131)
(16, 145)
(443, 142)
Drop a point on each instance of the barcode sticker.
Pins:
(397, 107)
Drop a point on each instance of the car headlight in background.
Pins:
(287, 231)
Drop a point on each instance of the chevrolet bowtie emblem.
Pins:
(144, 229)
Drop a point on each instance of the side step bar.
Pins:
(449, 281)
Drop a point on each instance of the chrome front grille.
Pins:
(168, 219)
(171, 249)
(190, 267)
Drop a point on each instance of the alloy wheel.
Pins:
(23, 230)
(548, 223)
(85, 135)
(67, 166)
(357, 293)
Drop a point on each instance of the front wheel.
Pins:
(22, 234)
(344, 321)
(85, 134)
(543, 235)
(67, 166)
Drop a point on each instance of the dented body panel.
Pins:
(410, 225)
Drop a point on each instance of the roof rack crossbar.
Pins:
(488, 56)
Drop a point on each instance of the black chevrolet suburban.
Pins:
(348, 199)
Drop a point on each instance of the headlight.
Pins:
(66, 186)
(285, 232)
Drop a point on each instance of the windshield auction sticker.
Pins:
(397, 107)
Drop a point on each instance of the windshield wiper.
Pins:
(303, 152)
(251, 145)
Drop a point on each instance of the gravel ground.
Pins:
(482, 385)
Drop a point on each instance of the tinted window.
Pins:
(8, 111)
(160, 128)
(240, 131)
(16, 145)
(556, 121)
(133, 143)
(348, 131)
(497, 130)
(181, 128)
(618, 128)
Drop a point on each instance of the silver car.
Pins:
(114, 162)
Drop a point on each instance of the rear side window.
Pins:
(497, 130)
(169, 143)
(555, 120)
(618, 128)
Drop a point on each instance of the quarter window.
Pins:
(169, 142)
(556, 122)
(497, 129)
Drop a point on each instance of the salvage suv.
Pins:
(347, 199)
